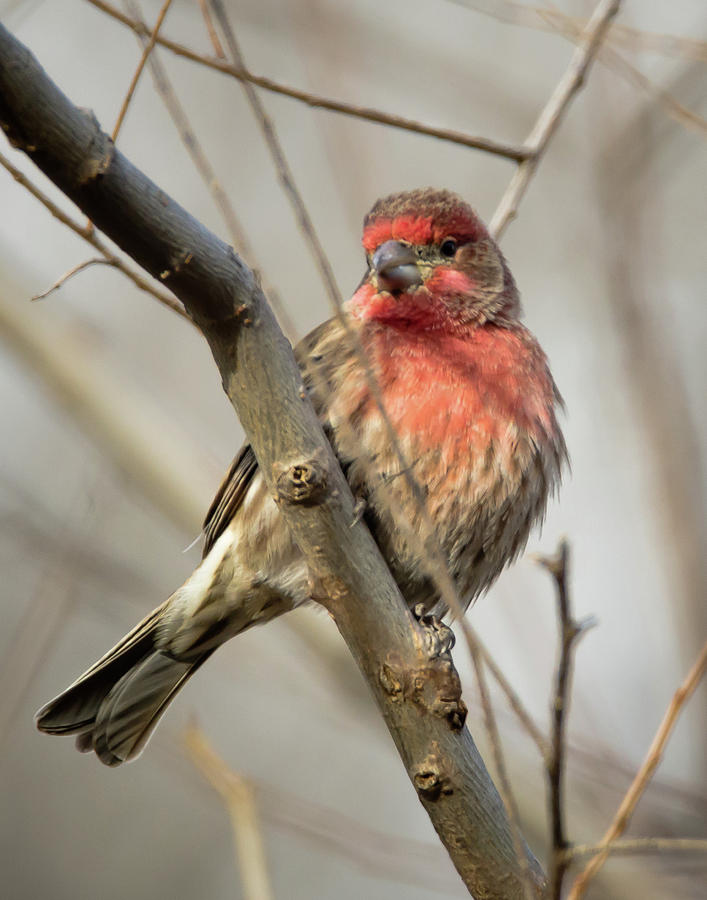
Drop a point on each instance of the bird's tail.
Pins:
(114, 706)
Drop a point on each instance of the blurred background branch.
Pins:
(239, 797)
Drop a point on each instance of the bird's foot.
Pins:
(439, 638)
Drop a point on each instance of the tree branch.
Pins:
(409, 671)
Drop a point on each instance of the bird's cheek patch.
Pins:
(362, 301)
(448, 282)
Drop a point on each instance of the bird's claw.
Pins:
(439, 638)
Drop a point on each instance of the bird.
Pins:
(469, 392)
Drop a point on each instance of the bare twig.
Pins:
(505, 789)
(639, 845)
(96, 261)
(608, 55)
(570, 631)
(554, 110)
(644, 774)
(611, 58)
(514, 700)
(238, 235)
(547, 19)
(306, 225)
(399, 858)
(509, 151)
(89, 235)
(680, 113)
(211, 28)
(282, 166)
(138, 71)
(239, 796)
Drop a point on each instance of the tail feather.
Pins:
(75, 709)
(116, 704)
(132, 709)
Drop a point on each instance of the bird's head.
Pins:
(432, 265)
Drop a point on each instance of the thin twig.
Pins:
(514, 700)
(554, 110)
(611, 58)
(237, 233)
(211, 28)
(504, 782)
(89, 235)
(138, 71)
(677, 111)
(282, 166)
(639, 845)
(570, 631)
(477, 653)
(95, 261)
(509, 151)
(636, 40)
(608, 55)
(239, 796)
(644, 774)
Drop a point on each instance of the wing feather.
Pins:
(313, 354)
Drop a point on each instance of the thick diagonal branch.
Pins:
(408, 669)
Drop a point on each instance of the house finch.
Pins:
(467, 389)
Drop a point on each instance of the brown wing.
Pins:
(312, 354)
(229, 496)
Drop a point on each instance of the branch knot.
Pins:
(430, 779)
(99, 153)
(303, 482)
(433, 686)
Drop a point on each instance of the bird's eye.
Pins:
(448, 247)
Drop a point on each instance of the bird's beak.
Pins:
(395, 265)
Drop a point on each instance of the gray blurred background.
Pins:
(609, 254)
